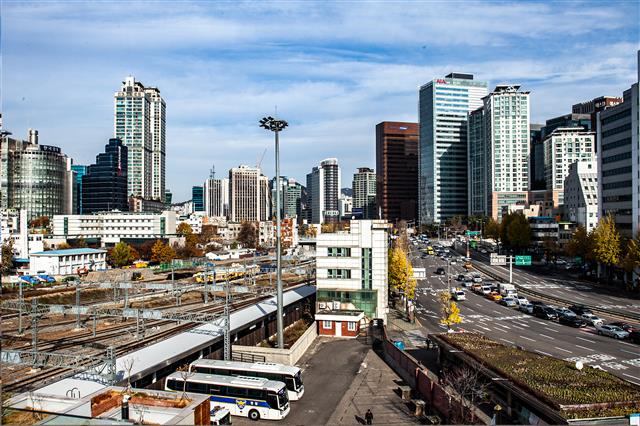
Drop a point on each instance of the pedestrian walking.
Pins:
(369, 417)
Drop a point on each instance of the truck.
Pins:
(507, 290)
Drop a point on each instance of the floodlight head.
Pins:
(270, 123)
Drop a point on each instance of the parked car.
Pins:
(494, 295)
(508, 302)
(571, 320)
(591, 319)
(629, 328)
(565, 312)
(521, 300)
(527, 309)
(580, 309)
(545, 312)
(440, 271)
(611, 331)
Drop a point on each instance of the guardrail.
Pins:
(611, 312)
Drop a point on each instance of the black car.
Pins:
(625, 326)
(440, 271)
(580, 309)
(635, 336)
(572, 321)
(537, 303)
(460, 277)
(545, 312)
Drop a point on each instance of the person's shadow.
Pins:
(360, 420)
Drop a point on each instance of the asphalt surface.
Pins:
(512, 327)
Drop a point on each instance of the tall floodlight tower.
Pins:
(276, 126)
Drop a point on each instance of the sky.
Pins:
(333, 70)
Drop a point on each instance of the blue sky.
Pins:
(334, 70)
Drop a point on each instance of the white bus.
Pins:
(251, 397)
(288, 374)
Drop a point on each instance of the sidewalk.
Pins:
(373, 388)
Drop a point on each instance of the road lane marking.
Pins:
(508, 341)
(586, 340)
(543, 353)
(629, 344)
(526, 338)
(584, 347)
(633, 377)
(515, 326)
(551, 329)
(629, 352)
(562, 349)
(502, 325)
(548, 337)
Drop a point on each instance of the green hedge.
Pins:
(554, 380)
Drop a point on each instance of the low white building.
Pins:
(194, 220)
(67, 262)
(266, 232)
(581, 194)
(112, 227)
(351, 270)
(14, 227)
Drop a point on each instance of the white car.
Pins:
(521, 300)
(458, 295)
(486, 289)
(477, 279)
(526, 308)
(591, 319)
(566, 312)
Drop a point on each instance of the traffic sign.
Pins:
(523, 260)
(497, 260)
(472, 233)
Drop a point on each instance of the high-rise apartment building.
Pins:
(444, 106)
(498, 149)
(290, 197)
(216, 197)
(397, 170)
(563, 147)
(618, 138)
(323, 186)
(364, 193)
(140, 124)
(581, 194)
(536, 158)
(104, 186)
(33, 177)
(249, 196)
(197, 196)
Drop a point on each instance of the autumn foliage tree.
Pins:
(162, 253)
(606, 243)
(122, 254)
(248, 235)
(401, 273)
(450, 313)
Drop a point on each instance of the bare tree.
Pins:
(186, 375)
(128, 364)
(470, 387)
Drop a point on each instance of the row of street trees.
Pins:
(513, 232)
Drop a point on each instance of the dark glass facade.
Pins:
(104, 186)
(197, 197)
(79, 172)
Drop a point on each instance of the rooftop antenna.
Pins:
(212, 172)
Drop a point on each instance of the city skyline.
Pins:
(220, 72)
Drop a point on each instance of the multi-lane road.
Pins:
(512, 327)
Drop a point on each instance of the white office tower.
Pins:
(444, 105)
(216, 197)
(139, 121)
(323, 186)
(364, 193)
(248, 194)
(562, 148)
(581, 194)
(498, 150)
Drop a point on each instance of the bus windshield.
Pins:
(298, 380)
(283, 398)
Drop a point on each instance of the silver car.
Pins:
(611, 331)
(527, 309)
(591, 319)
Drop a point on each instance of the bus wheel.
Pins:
(254, 415)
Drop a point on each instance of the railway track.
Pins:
(48, 375)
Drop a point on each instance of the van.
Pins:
(458, 295)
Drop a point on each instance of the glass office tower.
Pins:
(104, 186)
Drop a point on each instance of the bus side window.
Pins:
(216, 390)
(231, 391)
(196, 387)
(172, 384)
(257, 394)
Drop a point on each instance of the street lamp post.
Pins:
(276, 126)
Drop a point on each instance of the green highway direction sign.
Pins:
(472, 233)
(523, 260)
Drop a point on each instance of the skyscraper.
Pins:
(291, 197)
(197, 196)
(78, 172)
(249, 196)
(216, 197)
(444, 105)
(104, 186)
(594, 106)
(33, 177)
(397, 170)
(323, 186)
(140, 124)
(364, 193)
(498, 149)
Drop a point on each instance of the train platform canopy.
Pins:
(153, 357)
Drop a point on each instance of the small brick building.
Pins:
(339, 323)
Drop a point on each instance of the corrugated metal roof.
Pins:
(68, 252)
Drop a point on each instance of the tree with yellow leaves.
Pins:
(606, 243)
(401, 273)
(450, 310)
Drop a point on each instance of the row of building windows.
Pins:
(617, 130)
(616, 185)
(618, 171)
(617, 157)
(616, 117)
(616, 144)
(340, 274)
(338, 252)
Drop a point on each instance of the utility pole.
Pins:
(78, 305)
(510, 258)
(20, 301)
(227, 322)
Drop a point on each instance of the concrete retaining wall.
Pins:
(282, 356)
